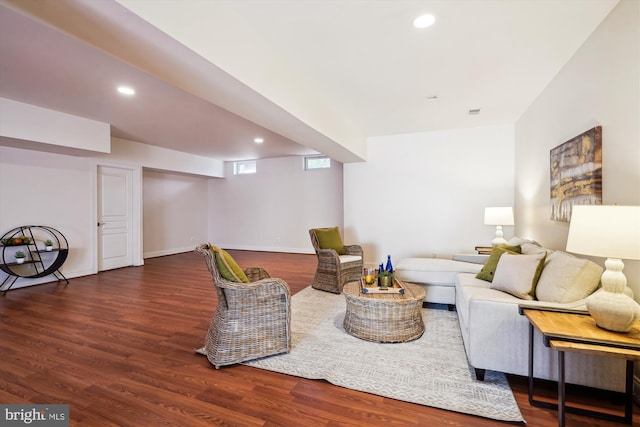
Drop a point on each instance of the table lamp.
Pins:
(612, 232)
(498, 217)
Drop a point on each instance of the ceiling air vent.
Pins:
(474, 112)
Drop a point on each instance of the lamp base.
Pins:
(613, 306)
(614, 311)
(499, 239)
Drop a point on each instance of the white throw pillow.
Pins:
(566, 278)
(518, 274)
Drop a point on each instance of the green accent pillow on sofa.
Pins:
(489, 268)
(329, 238)
(227, 266)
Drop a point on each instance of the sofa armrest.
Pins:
(473, 258)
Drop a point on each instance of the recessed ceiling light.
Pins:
(126, 90)
(474, 112)
(432, 97)
(258, 140)
(424, 21)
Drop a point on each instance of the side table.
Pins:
(577, 332)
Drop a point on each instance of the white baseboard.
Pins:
(166, 252)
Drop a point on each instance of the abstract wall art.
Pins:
(576, 173)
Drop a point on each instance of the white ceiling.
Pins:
(307, 75)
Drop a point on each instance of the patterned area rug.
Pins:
(431, 370)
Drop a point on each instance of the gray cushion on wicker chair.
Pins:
(251, 320)
(334, 270)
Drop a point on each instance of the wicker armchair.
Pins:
(252, 320)
(334, 271)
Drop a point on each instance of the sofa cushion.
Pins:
(566, 278)
(468, 279)
(489, 267)
(329, 238)
(518, 274)
(466, 285)
(349, 258)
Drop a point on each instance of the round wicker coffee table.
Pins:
(384, 318)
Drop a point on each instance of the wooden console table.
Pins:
(577, 332)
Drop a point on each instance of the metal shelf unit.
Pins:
(39, 261)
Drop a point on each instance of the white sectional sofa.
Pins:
(496, 335)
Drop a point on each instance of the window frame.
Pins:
(307, 160)
(238, 166)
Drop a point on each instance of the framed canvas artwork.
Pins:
(576, 173)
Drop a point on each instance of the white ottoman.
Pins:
(436, 275)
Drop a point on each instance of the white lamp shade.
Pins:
(498, 216)
(605, 231)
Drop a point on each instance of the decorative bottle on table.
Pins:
(385, 278)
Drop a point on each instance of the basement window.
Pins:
(245, 167)
(317, 162)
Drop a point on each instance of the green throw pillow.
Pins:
(489, 268)
(227, 266)
(329, 238)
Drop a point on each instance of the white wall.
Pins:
(174, 212)
(53, 190)
(274, 209)
(600, 85)
(59, 190)
(424, 194)
(270, 211)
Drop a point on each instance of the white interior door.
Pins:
(115, 195)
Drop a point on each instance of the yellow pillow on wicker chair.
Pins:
(227, 266)
(329, 238)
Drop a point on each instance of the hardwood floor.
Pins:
(118, 348)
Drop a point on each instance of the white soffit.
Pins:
(362, 62)
(184, 102)
(314, 75)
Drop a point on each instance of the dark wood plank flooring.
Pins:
(118, 348)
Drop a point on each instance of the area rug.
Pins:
(432, 370)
